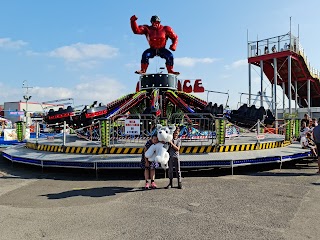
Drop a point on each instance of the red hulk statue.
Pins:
(157, 36)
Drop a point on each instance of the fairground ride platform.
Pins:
(75, 145)
(240, 151)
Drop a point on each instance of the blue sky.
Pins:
(86, 49)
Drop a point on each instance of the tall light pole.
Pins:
(26, 97)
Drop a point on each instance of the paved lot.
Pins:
(252, 204)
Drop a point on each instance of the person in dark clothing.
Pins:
(174, 161)
(306, 119)
(316, 138)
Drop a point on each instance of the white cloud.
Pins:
(190, 62)
(8, 43)
(256, 80)
(226, 76)
(49, 93)
(237, 64)
(99, 88)
(9, 93)
(84, 64)
(91, 88)
(135, 65)
(82, 51)
(32, 53)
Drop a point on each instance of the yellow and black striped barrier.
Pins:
(249, 147)
(197, 149)
(125, 150)
(139, 150)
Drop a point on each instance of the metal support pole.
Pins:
(309, 96)
(249, 70)
(272, 98)
(261, 84)
(161, 104)
(26, 97)
(27, 120)
(289, 84)
(284, 97)
(96, 168)
(258, 130)
(64, 132)
(296, 96)
(37, 131)
(231, 167)
(275, 84)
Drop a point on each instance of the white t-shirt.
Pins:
(303, 132)
(304, 142)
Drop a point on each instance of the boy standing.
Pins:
(174, 161)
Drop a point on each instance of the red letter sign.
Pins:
(187, 88)
(198, 88)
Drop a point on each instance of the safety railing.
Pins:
(278, 44)
(269, 45)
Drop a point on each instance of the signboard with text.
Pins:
(132, 127)
(16, 113)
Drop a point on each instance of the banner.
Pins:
(132, 127)
(10, 134)
(16, 113)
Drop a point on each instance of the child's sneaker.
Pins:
(153, 185)
(147, 186)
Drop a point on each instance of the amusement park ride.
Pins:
(157, 94)
(161, 98)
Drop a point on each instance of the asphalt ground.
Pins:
(258, 202)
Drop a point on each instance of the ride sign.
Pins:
(260, 137)
(187, 87)
(16, 113)
(132, 127)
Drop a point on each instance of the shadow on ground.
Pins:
(90, 192)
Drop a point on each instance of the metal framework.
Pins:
(283, 61)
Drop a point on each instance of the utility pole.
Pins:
(26, 97)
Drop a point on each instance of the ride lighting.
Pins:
(94, 114)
